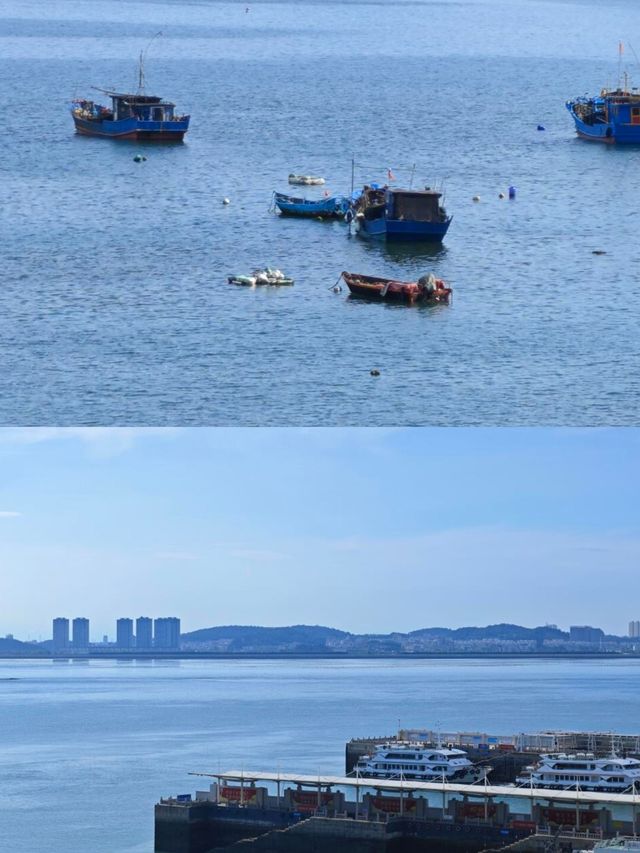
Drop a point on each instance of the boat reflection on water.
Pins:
(407, 255)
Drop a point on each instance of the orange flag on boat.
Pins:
(390, 175)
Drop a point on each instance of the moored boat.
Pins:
(266, 276)
(583, 771)
(140, 117)
(612, 116)
(414, 760)
(428, 288)
(401, 214)
(622, 842)
(326, 208)
(306, 180)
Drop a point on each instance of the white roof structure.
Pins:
(404, 786)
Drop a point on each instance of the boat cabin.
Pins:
(142, 107)
(396, 204)
(414, 205)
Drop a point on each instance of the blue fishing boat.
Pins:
(333, 207)
(612, 116)
(400, 214)
(139, 117)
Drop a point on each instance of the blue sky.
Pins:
(365, 530)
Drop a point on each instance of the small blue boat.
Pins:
(142, 117)
(612, 116)
(334, 207)
(401, 214)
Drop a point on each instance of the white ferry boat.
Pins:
(412, 760)
(582, 771)
(621, 843)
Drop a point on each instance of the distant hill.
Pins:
(10, 647)
(240, 637)
(503, 631)
(316, 638)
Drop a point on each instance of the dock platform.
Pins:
(274, 812)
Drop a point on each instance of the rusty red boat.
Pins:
(427, 288)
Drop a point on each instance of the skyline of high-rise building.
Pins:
(80, 633)
(634, 628)
(124, 633)
(144, 632)
(166, 633)
(60, 634)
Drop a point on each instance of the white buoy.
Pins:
(225, 200)
(501, 195)
(476, 198)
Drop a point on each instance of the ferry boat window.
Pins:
(158, 114)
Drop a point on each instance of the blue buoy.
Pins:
(541, 127)
(512, 192)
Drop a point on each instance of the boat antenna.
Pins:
(620, 52)
(353, 170)
(143, 56)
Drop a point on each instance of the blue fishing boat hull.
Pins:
(134, 128)
(336, 206)
(611, 123)
(397, 229)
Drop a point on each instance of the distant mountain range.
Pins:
(317, 640)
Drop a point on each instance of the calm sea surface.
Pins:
(87, 748)
(114, 306)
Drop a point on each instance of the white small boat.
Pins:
(267, 276)
(306, 180)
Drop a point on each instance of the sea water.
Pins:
(114, 301)
(87, 748)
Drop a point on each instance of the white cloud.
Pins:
(7, 513)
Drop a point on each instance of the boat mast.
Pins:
(353, 173)
(143, 56)
(620, 52)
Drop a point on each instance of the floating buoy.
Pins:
(225, 200)
(500, 195)
(374, 372)
(476, 198)
(541, 127)
(598, 252)
(512, 192)
(337, 288)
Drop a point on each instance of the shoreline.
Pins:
(159, 655)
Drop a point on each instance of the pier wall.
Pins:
(207, 828)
